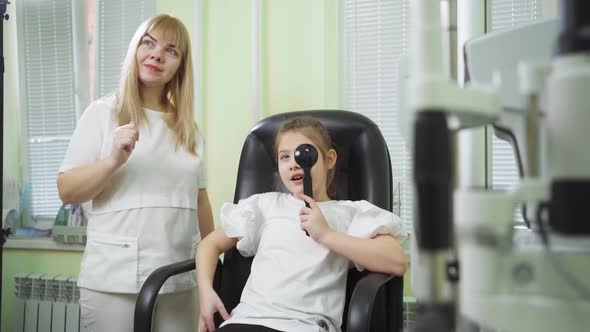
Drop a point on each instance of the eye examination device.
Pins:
(476, 267)
(306, 156)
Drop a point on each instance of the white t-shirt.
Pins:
(295, 282)
(146, 216)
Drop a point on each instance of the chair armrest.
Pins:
(144, 307)
(364, 296)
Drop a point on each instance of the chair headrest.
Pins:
(363, 167)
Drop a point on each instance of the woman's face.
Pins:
(157, 60)
(292, 174)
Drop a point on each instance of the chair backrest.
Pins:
(363, 171)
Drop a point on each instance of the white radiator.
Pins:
(410, 308)
(46, 303)
(49, 303)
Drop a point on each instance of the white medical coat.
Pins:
(146, 215)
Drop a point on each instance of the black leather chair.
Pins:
(363, 171)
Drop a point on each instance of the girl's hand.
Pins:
(313, 220)
(210, 303)
(124, 138)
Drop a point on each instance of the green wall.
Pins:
(298, 71)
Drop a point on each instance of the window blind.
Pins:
(48, 80)
(48, 90)
(116, 22)
(375, 35)
(506, 14)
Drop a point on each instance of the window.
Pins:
(506, 14)
(54, 63)
(509, 13)
(48, 95)
(375, 39)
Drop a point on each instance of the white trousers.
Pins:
(113, 312)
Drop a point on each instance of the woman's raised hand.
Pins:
(124, 138)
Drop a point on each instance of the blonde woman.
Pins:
(138, 158)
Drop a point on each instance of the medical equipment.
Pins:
(542, 283)
(306, 156)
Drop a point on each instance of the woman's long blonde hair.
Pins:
(178, 94)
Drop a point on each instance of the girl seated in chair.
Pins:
(297, 281)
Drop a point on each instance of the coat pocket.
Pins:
(110, 263)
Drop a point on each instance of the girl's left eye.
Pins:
(172, 51)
